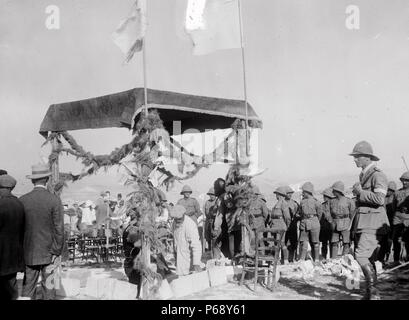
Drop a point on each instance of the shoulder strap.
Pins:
(368, 177)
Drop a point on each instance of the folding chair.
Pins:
(267, 252)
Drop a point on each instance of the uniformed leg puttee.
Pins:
(304, 249)
(345, 249)
(316, 252)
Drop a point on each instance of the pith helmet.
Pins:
(328, 193)
(281, 191)
(405, 176)
(339, 186)
(289, 190)
(256, 190)
(211, 192)
(392, 186)
(308, 187)
(185, 189)
(363, 148)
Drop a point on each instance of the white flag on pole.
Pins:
(213, 25)
(131, 31)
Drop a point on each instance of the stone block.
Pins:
(91, 288)
(165, 291)
(69, 287)
(106, 288)
(217, 276)
(124, 291)
(189, 284)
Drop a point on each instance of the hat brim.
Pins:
(340, 191)
(38, 176)
(281, 194)
(373, 157)
(185, 192)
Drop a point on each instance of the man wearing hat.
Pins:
(258, 210)
(44, 232)
(103, 210)
(210, 214)
(11, 238)
(186, 241)
(371, 221)
(326, 222)
(191, 204)
(342, 211)
(310, 213)
(291, 236)
(401, 218)
(280, 219)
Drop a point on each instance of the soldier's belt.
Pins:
(258, 215)
(341, 217)
(309, 216)
(276, 217)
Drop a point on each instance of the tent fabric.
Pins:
(123, 108)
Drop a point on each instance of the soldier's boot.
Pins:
(345, 249)
(334, 250)
(371, 293)
(303, 250)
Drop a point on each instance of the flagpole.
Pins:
(244, 72)
(145, 90)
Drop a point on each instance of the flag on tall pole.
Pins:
(213, 25)
(129, 36)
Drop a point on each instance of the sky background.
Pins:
(318, 87)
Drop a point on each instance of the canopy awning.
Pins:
(121, 109)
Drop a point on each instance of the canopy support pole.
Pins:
(244, 75)
(55, 171)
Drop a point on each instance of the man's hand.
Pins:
(53, 257)
(196, 268)
(357, 189)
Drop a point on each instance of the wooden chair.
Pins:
(72, 248)
(267, 249)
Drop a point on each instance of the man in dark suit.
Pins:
(11, 238)
(44, 233)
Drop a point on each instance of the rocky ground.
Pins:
(325, 281)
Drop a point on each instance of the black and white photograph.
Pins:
(185, 151)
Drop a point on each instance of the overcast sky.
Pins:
(318, 87)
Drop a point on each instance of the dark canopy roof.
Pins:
(118, 109)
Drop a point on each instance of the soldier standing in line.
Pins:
(291, 236)
(342, 211)
(401, 217)
(191, 204)
(258, 210)
(371, 221)
(210, 215)
(386, 243)
(310, 212)
(325, 223)
(280, 219)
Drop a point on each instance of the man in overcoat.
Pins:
(43, 235)
(11, 238)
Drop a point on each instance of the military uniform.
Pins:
(310, 212)
(258, 212)
(291, 235)
(325, 228)
(342, 211)
(400, 222)
(371, 219)
(280, 219)
(210, 214)
(192, 208)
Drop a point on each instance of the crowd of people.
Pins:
(370, 224)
